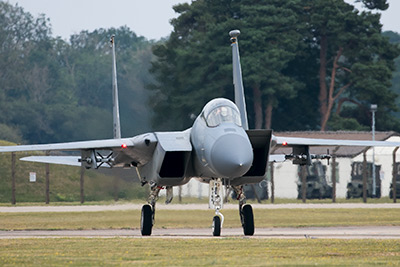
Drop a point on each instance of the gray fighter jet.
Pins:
(219, 149)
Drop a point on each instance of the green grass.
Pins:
(199, 219)
(197, 252)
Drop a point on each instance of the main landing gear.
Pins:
(149, 210)
(245, 211)
(216, 202)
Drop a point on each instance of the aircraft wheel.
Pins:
(146, 220)
(216, 226)
(248, 220)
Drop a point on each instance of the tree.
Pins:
(53, 91)
(355, 61)
(194, 64)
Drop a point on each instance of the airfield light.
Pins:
(124, 146)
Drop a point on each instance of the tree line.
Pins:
(53, 90)
(307, 65)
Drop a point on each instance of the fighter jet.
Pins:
(219, 149)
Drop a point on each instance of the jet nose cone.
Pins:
(232, 156)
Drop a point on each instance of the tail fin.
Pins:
(116, 122)
(237, 79)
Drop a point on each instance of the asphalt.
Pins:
(161, 206)
(361, 232)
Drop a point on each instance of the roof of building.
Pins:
(343, 151)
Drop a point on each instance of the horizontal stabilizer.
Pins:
(63, 160)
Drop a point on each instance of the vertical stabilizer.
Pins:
(237, 79)
(116, 122)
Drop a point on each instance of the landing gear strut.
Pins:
(148, 211)
(216, 202)
(245, 211)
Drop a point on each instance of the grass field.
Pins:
(199, 218)
(198, 252)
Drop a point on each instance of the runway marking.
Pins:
(361, 232)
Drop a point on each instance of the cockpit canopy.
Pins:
(221, 111)
(223, 114)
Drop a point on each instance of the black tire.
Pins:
(216, 226)
(146, 220)
(248, 220)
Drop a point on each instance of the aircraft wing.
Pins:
(82, 145)
(299, 141)
(137, 150)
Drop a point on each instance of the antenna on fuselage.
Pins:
(116, 121)
(237, 79)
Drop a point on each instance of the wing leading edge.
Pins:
(82, 145)
(299, 141)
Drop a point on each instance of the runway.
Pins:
(343, 232)
(161, 206)
(359, 232)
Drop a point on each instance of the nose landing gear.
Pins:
(216, 202)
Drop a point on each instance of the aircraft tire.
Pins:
(146, 220)
(248, 220)
(216, 226)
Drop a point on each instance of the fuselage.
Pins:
(221, 147)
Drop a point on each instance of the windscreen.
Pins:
(223, 114)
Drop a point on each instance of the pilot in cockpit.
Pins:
(223, 114)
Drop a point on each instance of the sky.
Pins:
(148, 18)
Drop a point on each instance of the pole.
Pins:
(334, 179)
(82, 184)
(13, 199)
(47, 180)
(271, 169)
(365, 177)
(373, 109)
(334, 174)
(47, 183)
(303, 183)
(394, 175)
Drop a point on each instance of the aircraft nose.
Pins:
(232, 156)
